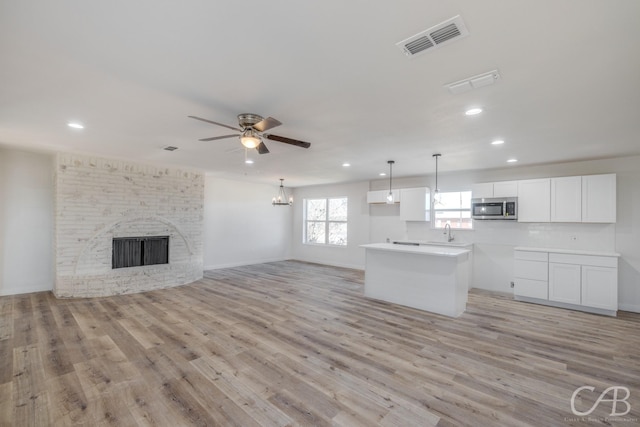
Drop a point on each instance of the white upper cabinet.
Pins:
(505, 189)
(415, 204)
(380, 196)
(484, 190)
(487, 190)
(566, 199)
(599, 198)
(534, 200)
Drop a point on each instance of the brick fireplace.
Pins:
(99, 201)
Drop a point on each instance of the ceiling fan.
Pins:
(251, 132)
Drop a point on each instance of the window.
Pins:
(325, 221)
(454, 208)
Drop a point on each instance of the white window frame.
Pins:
(326, 220)
(435, 210)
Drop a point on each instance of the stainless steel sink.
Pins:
(451, 244)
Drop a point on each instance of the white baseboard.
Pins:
(263, 261)
(27, 290)
(241, 263)
(629, 307)
(333, 264)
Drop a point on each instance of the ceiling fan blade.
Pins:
(266, 124)
(287, 140)
(213, 138)
(215, 123)
(262, 149)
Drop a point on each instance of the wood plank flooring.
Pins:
(292, 343)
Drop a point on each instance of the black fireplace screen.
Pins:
(137, 251)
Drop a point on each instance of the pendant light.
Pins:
(390, 195)
(436, 193)
(281, 199)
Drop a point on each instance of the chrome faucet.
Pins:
(450, 237)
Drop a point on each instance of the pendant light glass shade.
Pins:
(390, 195)
(436, 193)
(281, 198)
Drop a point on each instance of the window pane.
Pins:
(449, 201)
(466, 200)
(316, 209)
(454, 209)
(338, 233)
(338, 209)
(316, 232)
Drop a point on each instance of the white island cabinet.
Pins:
(430, 278)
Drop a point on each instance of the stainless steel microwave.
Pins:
(496, 208)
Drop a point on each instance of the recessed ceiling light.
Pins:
(473, 111)
(383, 174)
(497, 142)
(512, 160)
(249, 161)
(346, 165)
(75, 125)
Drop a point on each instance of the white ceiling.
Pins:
(132, 71)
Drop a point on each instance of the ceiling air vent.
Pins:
(439, 35)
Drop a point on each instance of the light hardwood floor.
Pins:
(292, 343)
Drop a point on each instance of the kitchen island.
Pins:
(431, 278)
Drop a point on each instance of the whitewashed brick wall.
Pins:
(99, 199)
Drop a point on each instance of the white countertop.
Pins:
(422, 250)
(454, 244)
(567, 251)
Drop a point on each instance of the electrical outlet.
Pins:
(512, 284)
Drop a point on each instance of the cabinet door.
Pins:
(600, 287)
(534, 200)
(415, 204)
(566, 199)
(505, 189)
(599, 198)
(483, 190)
(564, 283)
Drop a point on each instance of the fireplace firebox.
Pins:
(139, 251)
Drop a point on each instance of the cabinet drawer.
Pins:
(596, 261)
(534, 270)
(531, 255)
(531, 288)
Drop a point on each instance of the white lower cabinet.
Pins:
(565, 279)
(600, 287)
(564, 283)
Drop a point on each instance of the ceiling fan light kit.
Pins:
(250, 138)
(281, 198)
(252, 131)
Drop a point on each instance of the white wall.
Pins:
(352, 255)
(241, 226)
(26, 222)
